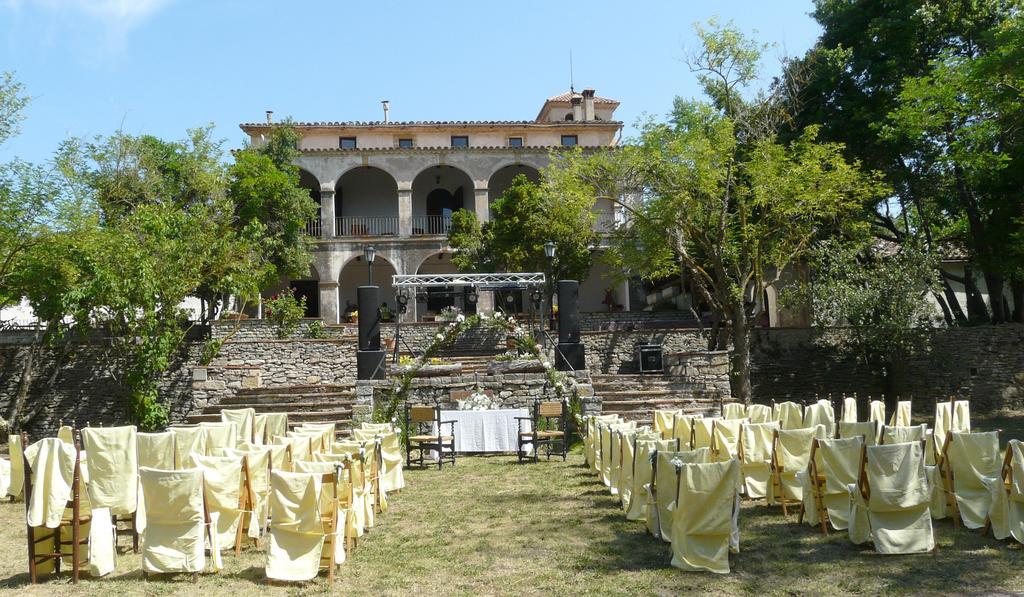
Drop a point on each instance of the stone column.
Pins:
(329, 302)
(405, 213)
(327, 214)
(481, 206)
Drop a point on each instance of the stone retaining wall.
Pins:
(615, 351)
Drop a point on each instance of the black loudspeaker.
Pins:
(368, 303)
(568, 311)
(370, 364)
(570, 356)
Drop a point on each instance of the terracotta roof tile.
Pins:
(380, 123)
(568, 95)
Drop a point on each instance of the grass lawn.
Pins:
(492, 526)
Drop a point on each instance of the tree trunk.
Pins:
(25, 383)
(1017, 289)
(976, 309)
(953, 302)
(996, 300)
(740, 374)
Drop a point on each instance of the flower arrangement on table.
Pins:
(478, 401)
(450, 313)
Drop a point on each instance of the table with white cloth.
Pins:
(486, 430)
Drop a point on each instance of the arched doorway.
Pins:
(366, 203)
(431, 301)
(502, 179)
(437, 193)
(307, 287)
(309, 182)
(356, 273)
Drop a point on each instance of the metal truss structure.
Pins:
(480, 281)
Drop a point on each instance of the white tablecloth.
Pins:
(485, 430)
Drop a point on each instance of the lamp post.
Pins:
(549, 252)
(370, 254)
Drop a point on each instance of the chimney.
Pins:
(387, 105)
(270, 116)
(588, 104)
(577, 108)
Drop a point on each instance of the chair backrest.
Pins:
(867, 429)
(759, 413)
(172, 497)
(793, 447)
(1015, 469)
(112, 454)
(757, 441)
(187, 440)
(707, 494)
(219, 435)
(973, 458)
(295, 501)
(52, 479)
(421, 413)
(901, 416)
(269, 426)
(663, 420)
(849, 414)
(550, 409)
(734, 410)
(726, 437)
(896, 476)
(840, 462)
(903, 433)
(790, 415)
(876, 411)
(244, 420)
(155, 450)
(703, 433)
(821, 413)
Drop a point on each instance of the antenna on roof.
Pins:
(572, 83)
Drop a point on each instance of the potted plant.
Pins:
(449, 313)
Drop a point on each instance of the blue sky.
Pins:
(162, 66)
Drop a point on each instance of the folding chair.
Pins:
(178, 524)
(228, 494)
(790, 415)
(424, 426)
(705, 516)
(362, 492)
(298, 526)
(791, 453)
(682, 428)
(1013, 479)
(725, 437)
(392, 477)
(244, 420)
(755, 454)
(607, 453)
(849, 413)
(973, 472)
(734, 410)
(46, 505)
(112, 457)
(664, 420)
(833, 467)
(643, 471)
(901, 416)
(890, 502)
(665, 486)
(869, 430)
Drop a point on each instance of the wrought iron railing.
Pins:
(424, 225)
(314, 228)
(366, 226)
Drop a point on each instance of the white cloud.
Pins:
(115, 18)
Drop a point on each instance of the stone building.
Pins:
(394, 186)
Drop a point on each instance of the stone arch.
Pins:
(438, 262)
(437, 192)
(366, 202)
(354, 273)
(311, 184)
(501, 179)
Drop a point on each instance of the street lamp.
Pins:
(370, 254)
(549, 252)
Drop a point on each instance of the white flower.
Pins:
(460, 318)
(538, 347)
(546, 364)
(440, 336)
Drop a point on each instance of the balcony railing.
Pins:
(424, 225)
(366, 226)
(604, 223)
(313, 227)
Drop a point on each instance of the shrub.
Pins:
(285, 311)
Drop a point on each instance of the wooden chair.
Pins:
(424, 425)
(332, 525)
(38, 535)
(548, 429)
(817, 490)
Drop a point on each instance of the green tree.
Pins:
(526, 216)
(715, 195)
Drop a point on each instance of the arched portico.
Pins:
(437, 193)
(502, 179)
(366, 203)
(310, 183)
(356, 273)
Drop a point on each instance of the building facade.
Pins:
(395, 185)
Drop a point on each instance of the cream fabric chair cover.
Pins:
(257, 463)
(362, 492)
(636, 504)
(300, 447)
(734, 410)
(112, 454)
(876, 412)
(760, 413)
(155, 450)
(757, 458)
(821, 413)
(726, 438)
(1015, 514)
(703, 432)
(66, 434)
(222, 484)
(593, 439)
(327, 431)
(705, 523)
(665, 488)
(5, 477)
(278, 455)
(792, 455)
(187, 441)
(663, 419)
(296, 533)
(627, 444)
(949, 418)
(14, 450)
(790, 415)
(328, 495)
(271, 425)
(173, 539)
(51, 463)
(615, 470)
(313, 439)
(901, 416)
(218, 437)
(869, 429)
(849, 410)
(244, 420)
(977, 465)
(682, 429)
(355, 522)
(840, 465)
(904, 434)
(391, 477)
(896, 515)
(607, 452)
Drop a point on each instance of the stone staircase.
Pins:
(636, 397)
(303, 403)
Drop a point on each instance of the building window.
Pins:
(460, 141)
(515, 141)
(569, 141)
(568, 116)
(347, 142)
(405, 143)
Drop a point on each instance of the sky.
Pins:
(161, 67)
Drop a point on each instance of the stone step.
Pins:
(338, 416)
(258, 400)
(276, 407)
(664, 404)
(296, 389)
